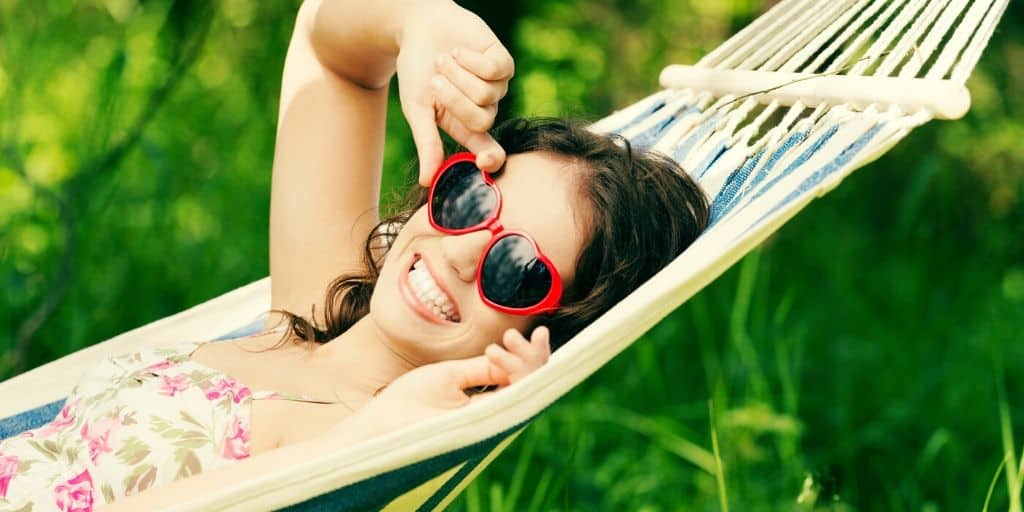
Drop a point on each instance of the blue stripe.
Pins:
(796, 164)
(251, 328)
(723, 201)
(30, 419)
(817, 177)
(642, 116)
(698, 135)
(710, 160)
(649, 137)
(791, 142)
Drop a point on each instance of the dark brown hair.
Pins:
(643, 211)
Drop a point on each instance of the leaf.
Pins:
(173, 433)
(147, 479)
(108, 493)
(190, 464)
(133, 480)
(158, 424)
(50, 455)
(191, 442)
(51, 446)
(70, 455)
(188, 417)
(24, 465)
(27, 508)
(132, 451)
(129, 419)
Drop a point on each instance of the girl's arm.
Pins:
(328, 153)
(330, 138)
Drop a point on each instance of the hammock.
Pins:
(845, 81)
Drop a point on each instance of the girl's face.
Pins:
(538, 197)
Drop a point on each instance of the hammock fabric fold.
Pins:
(760, 158)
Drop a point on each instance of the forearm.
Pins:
(359, 39)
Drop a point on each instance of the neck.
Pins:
(363, 359)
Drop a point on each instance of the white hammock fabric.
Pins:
(760, 159)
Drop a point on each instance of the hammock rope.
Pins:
(835, 76)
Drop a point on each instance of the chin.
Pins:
(404, 330)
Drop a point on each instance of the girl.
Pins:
(539, 228)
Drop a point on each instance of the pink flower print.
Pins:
(228, 387)
(236, 441)
(162, 365)
(171, 385)
(8, 468)
(64, 419)
(241, 393)
(100, 435)
(75, 495)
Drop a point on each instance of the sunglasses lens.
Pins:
(461, 197)
(512, 275)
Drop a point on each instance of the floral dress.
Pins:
(134, 421)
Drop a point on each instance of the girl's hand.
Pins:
(519, 357)
(452, 71)
(433, 389)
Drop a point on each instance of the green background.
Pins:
(868, 356)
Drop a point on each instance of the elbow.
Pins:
(357, 52)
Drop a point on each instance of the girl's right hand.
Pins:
(452, 71)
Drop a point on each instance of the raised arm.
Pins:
(328, 153)
(330, 137)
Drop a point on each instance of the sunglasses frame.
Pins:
(491, 223)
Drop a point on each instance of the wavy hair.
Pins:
(643, 211)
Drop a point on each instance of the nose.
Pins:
(463, 252)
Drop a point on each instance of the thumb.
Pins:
(429, 149)
(477, 371)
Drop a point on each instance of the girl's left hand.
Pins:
(452, 71)
(434, 389)
(520, 357)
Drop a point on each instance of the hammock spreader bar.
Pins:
(944, 99)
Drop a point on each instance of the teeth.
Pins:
(427, 291)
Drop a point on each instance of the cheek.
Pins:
(489, 325)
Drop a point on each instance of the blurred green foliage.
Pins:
(868, 356)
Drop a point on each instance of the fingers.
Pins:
(541, 338)
(471, 98)
(477, 118)
(476, 371)
(494, 63)
(477, 90)
(429, 149)
(489, 155)
(520, 357)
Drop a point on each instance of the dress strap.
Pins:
(188, 347)
(278, 395)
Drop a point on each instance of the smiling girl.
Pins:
(507, 250)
